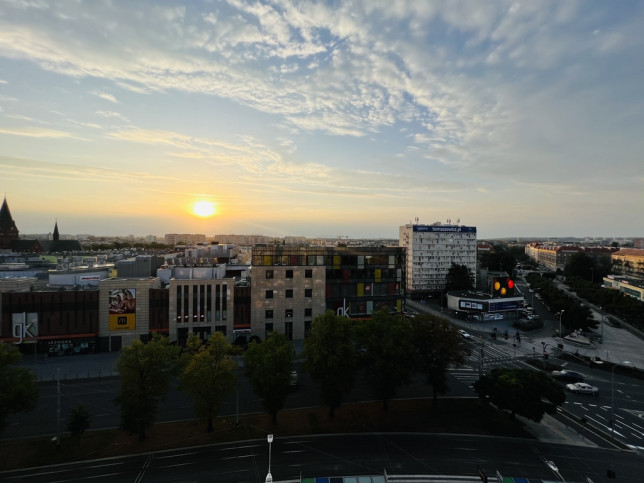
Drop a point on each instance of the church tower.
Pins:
(8, 230)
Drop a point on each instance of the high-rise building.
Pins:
(431, 251)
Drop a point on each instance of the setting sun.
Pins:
(203, 208)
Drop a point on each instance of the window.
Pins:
(308, 312)
(288, 330)
(308, 273)
(269, 274)
(268, 329)
(288, 313)
(269, 314)
(289, 274)
(308, 292)
(269, 294)
(289, 294)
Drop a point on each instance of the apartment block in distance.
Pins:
(431, 251)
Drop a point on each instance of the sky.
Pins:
(323, 119)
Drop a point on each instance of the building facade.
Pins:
(431, 251)
(364, 280)
(551, 256)
(201, 306)
(629, 263)
(287, 289)
(185, 238)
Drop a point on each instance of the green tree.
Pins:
(521, 391)
(386, 356)
(437, 345)
(208, 376)
(146, 371)
(78, 422)
(581, 265)
(330, 358)
(19, 391)
(268, 365)
(459, 277)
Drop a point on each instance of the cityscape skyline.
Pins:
(323, 120)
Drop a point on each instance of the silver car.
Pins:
(582, 388)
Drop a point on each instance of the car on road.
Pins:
(582, 388)
(464, 334)
(566, 375)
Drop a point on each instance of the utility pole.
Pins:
(58, 408)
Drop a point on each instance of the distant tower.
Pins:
(56, 236)
(8, 230)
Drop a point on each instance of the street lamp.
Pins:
(560, 316)
(269, 477)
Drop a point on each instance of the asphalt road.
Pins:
(355, 454)
(98, 396)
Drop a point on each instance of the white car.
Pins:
(464, 334)
(582, 388)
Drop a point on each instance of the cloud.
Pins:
(106, 96)
(34, 132)
(364, 98)
(112, 115)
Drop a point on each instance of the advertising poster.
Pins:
(122, 307)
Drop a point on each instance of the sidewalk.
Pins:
(549, 430)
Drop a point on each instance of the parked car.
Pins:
(582, 388)
(566, 375)
(464, 334)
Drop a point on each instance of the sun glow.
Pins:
(204, 209)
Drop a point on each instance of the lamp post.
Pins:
(560, 317)
(269, 477)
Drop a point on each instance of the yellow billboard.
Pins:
(122, 309)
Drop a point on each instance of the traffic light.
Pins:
(502, 287)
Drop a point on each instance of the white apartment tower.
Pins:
(431, 251)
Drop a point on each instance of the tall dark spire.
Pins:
(8, 229)
(56, 236)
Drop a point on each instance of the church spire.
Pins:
(8, 229)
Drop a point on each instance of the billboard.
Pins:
(444, 229)
(122, 309)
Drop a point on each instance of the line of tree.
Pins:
(576, 316)
(584, 276)
(385, 351)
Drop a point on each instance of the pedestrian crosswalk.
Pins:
(482, 359)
